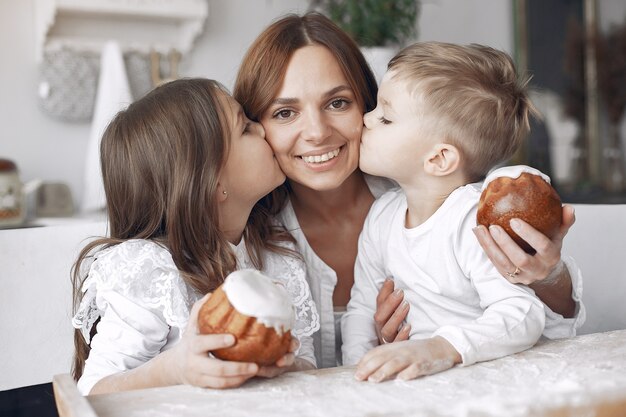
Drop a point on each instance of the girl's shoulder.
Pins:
(135, 252)
(144, 272)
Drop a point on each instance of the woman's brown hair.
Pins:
(160, 160)
(263, 69)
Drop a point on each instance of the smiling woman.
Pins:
(314, 129)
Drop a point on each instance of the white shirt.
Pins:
(143, 305)
(322, 280)
(453, 289)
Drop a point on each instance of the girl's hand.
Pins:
(284, 364)
(391, 311)
(190, 363)
(516, 265)
(408, 360)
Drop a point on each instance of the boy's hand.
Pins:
(407, 360)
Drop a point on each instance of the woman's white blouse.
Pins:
(322, 280)
(143, 305)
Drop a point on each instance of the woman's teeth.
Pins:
(321, 158)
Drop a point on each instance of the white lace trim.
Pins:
(140, 270)
(291, 272)
(144, 272)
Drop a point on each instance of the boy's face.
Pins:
(395, 140)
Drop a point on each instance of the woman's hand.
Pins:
(408, 360)
(391, 311)
(544, 271)
(284, 364)
(190, 363)
(509, 258)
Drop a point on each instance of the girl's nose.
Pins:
(259, 128)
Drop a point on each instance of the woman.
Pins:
(308, 84)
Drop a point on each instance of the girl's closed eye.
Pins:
(384, 121)
(246, 127)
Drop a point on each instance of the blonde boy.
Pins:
(446, 115)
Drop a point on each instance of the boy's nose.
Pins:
(368, 119)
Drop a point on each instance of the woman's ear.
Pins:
(444, 159)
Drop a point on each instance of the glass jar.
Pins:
(12, 211)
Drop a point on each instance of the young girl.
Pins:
(183, 169)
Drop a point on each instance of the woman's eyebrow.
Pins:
(292, 100)
(336, 90)
(284, 101)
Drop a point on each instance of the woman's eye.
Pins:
(339, 104)
(384, 121)
(283, 114)
(246, 128)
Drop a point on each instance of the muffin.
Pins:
(254, 309)
(524, 193)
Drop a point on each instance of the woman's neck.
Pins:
(325, 205)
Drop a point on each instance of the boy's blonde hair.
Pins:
(474, 92)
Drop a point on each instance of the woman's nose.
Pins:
(316, 128)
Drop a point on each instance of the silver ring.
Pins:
(514, 273)
(385, 342)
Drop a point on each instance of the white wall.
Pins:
(488, 22)
(55, 151)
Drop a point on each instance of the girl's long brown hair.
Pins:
(160, 160)
(264, 66)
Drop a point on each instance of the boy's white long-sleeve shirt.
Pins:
(453, 289)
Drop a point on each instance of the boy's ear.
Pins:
(444, 159)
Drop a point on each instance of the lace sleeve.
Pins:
(291, 272)
(141, 271)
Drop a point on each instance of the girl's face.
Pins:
(251, 170)
(314, 123)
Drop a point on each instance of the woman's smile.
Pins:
(317, 157)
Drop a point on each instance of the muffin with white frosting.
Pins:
(254, 309)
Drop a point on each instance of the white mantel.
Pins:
(138, 25)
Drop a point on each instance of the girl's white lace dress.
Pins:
(143, 305)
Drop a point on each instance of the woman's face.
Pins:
(251, 170)
(314, 123)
